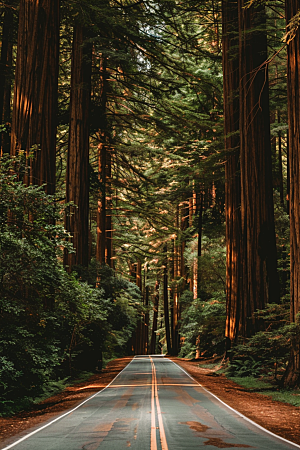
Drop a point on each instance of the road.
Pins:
(151, 405)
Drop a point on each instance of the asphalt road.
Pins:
(151, 405)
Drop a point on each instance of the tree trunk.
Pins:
(104, 251)
(109, 222)
(152, 347)
(166, 303)
(292, 375)
(35, 94)
(101, 212)
(199, 245)
(259, 261)
(146, 329)
(6, 75)
(77, 180)
(140, 325)
(232, 170)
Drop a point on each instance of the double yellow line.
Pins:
(155, 399)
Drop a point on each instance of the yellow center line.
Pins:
(153, 445)
(162, 433)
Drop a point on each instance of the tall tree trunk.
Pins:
(35, 94)
(288, 175)
(232, 170)
(292, 375)
(152, 347)
(176, 276)
(259, 261)
(146, 328)
(104, 251)
(199, 244)
(175, 298)
(101, 212)
(77, 181)
(166, 303)
(6, 75)
(280, 172)
(109, 222)
(140, 325)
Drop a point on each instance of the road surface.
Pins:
(151, 405)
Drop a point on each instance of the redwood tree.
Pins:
(232, 171)
(35, 92)
(77, 177)
(260, 280)
(292, 376)
(5, 74)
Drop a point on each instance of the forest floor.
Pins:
(280, 418)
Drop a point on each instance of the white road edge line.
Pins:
(237, 412)
(63, 415)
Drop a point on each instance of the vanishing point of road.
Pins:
(152, 404)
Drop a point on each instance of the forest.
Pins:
(149, 187)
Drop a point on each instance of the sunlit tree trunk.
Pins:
(176, 269)
(35, 94)
(232, 171)
(260, 280)
(292, 375)
(101, 212)
(280, 171)
(6, 75)
(77, 179)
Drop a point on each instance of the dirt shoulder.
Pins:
(68, 399)
(279, 418)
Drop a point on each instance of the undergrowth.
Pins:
(11, 407)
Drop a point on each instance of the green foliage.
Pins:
(204, 319)
(245, 367)
(52, 324)
(267, 352)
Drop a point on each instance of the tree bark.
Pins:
(104, 250)
(77, 180)
(152, 347)
(166, 303)
(199, 245)
(101, 212)
(259, 261)
(232, 169)
(146, 328)
(6, 75)
(292, 375)
(35, 94)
